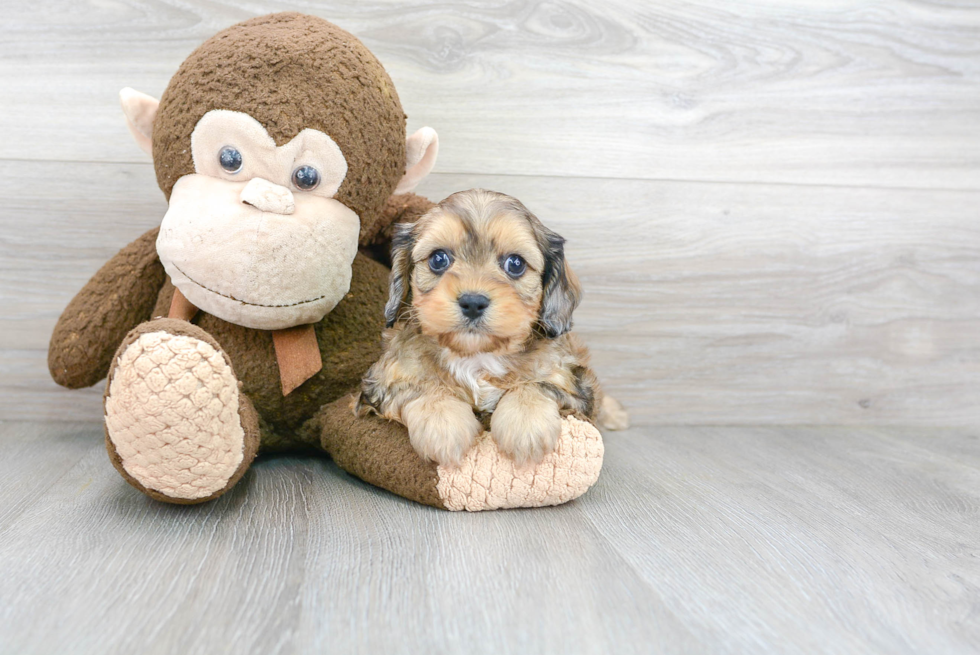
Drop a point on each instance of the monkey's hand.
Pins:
(402, 208)
(120, 296)
(405, 208)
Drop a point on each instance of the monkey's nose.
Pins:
(268, 197)
(473, 305)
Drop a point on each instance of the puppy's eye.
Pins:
(306, 178)
(230, 159)
(515, 266)
(439, 261)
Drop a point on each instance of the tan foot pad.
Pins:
(487, 479)
(172, 415)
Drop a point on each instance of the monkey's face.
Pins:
(255, 236)
(477, 279)
(260, 235)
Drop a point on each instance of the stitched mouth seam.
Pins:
(251, 304)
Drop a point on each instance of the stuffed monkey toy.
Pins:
(244, 322)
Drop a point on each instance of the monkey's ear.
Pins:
(421, 150)
(561, 291)
(140, 110)
(402, 243)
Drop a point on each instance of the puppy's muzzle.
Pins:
(473, 305)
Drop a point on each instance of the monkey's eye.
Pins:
(515, 266)
(306, 178)
(230, 159)
(439, 261)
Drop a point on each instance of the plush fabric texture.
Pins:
(117, 298)
(376, 451)
(421, 151)
(179, 392)
(262, 160)
(290, 71)
(349, 338)
(140, 110)
(297, 354)
(245, 277)
(371, 448)
(268, 197)
(486, 479)
(182, 308)
(188, 404)
(176, 424)
(402, 208)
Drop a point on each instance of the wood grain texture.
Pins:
(804, 539)
(849, 92)
(705, 303)
(724, 540)
(775, 211)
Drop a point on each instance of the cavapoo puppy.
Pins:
(479, 314)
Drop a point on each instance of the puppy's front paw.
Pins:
(441, 429)
(526, 424)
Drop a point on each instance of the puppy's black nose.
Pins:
(473, 305)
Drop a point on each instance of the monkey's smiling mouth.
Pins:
(240, 265)
(245, 302)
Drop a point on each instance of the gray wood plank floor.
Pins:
(695, 539)
(775, 210)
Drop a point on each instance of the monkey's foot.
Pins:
(379, 452)
(177, 426)
(488, 479)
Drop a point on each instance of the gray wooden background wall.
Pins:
(773, 206)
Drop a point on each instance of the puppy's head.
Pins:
(483, 273)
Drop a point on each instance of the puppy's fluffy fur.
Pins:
(511, 364)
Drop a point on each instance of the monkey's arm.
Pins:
(403, 208)
(119, 297)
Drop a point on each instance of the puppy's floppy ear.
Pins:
(561, 292)
(402, 243)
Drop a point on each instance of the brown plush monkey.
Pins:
(244, 321)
